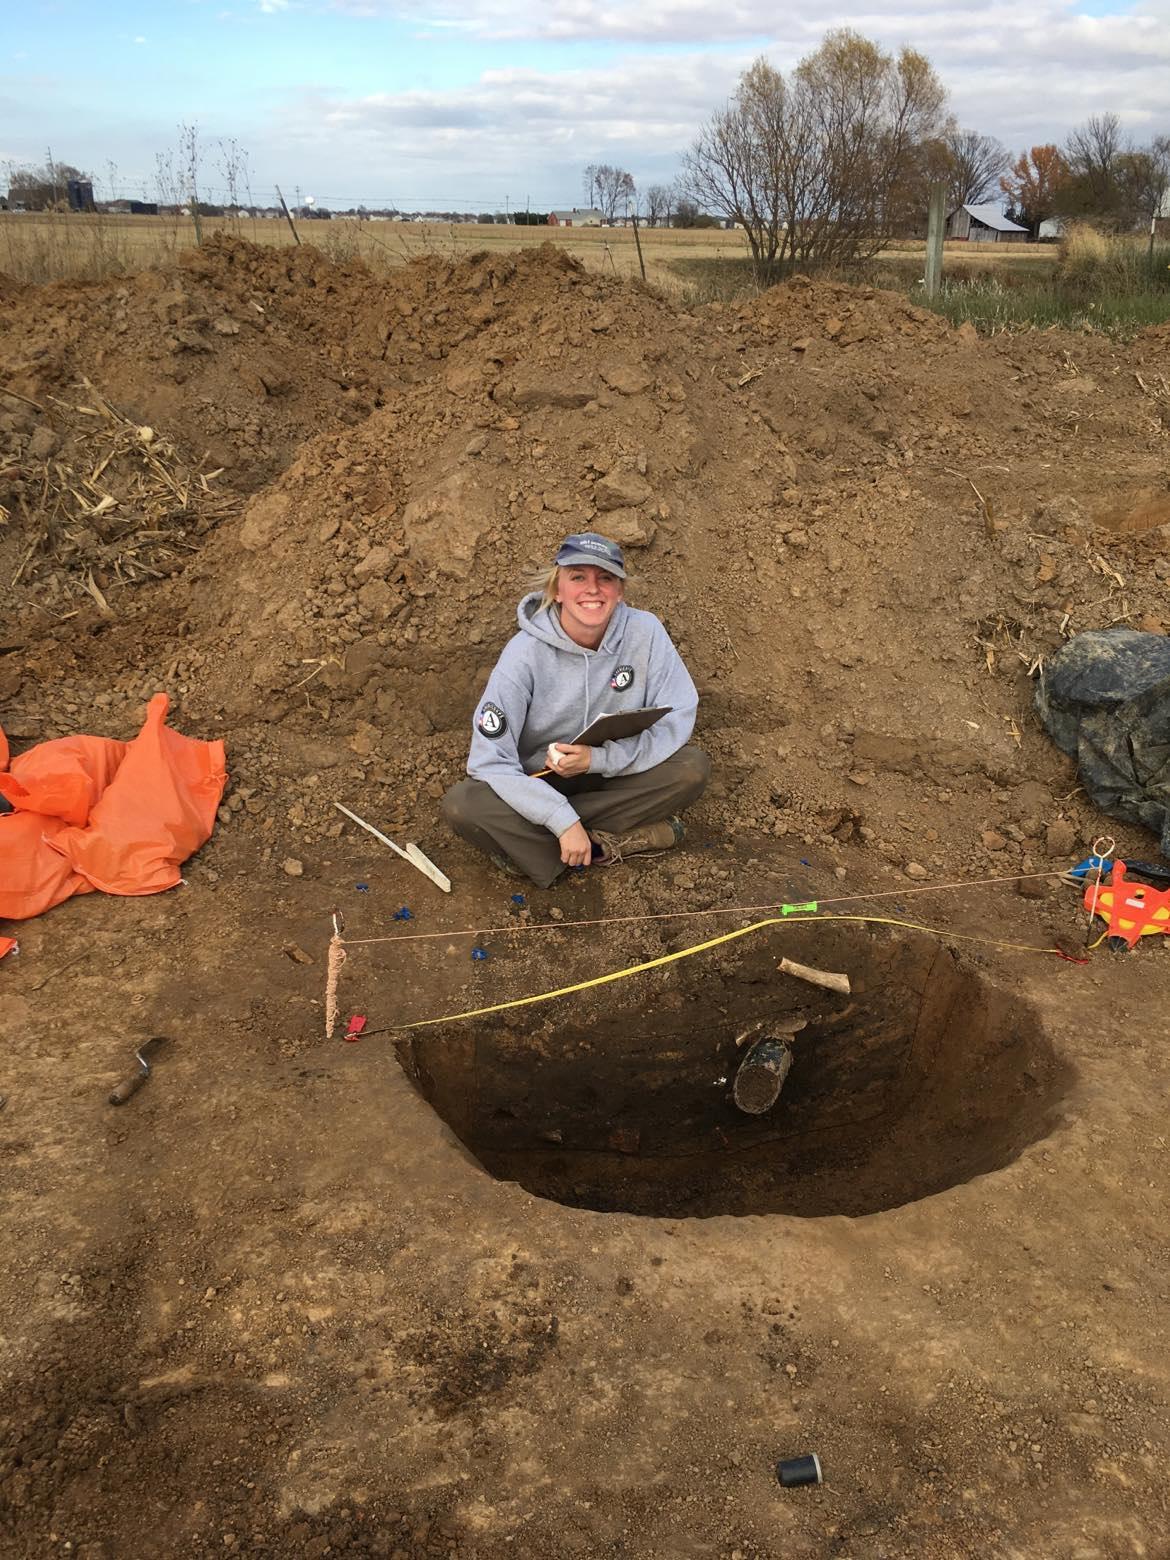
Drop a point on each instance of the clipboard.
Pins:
(611, 728)
(625, 723)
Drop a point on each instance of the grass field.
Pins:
(54, 247)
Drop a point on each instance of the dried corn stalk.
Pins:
(118, 504)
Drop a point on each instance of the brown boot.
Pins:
(653, 837)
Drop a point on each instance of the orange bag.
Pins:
(92, 813)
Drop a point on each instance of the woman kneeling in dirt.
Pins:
(581, 653)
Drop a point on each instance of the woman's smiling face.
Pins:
(587, 597)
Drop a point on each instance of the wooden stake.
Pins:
(284, 208)
(638, 242)
(412, 853)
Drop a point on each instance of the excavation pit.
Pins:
(926, 1075)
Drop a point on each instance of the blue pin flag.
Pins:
(1090, 864)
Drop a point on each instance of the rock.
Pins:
(1033, 888)
(1030, 800)
(375, 564)
(293, 867)
(621, 490)
(993, 840)
(328, 529)
(630, 528)
(915, 869)
(267, 515)
(224, 325)
(967, 334)
(464, 378)
(444, 528)
(627, 379)
(557, 501)
(530, 393)
(43, 443)
(802, 344)
(1060, 837)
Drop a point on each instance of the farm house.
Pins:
(984, 225)
(587, 217)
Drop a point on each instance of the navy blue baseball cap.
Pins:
(590, 548)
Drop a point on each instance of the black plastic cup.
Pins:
(794, 1471)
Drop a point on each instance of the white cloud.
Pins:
(729, 21)
(1026, 72)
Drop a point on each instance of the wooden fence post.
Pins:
(935, 229)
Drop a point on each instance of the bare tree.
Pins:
(607, 188)
(746, 160)
(660, 200)
(1093, 187)
(817, 168)
(189, 162)
(973, 164)
(1143, 182)
(232, 162)
(41, 189)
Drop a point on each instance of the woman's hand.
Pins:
(576, 846)
(569, 758)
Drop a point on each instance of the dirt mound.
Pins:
(847, 316)
(862, 536)
(269, 1268)
(246, 351)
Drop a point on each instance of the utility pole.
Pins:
(507, 213)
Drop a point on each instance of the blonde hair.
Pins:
(546, 584)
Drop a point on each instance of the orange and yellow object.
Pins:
(1132, 910)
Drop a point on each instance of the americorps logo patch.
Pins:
(622, 678)
(492, 721)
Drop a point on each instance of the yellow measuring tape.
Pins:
(714, 942)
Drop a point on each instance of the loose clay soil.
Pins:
(276, 1304)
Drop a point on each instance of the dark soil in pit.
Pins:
(924, 1076)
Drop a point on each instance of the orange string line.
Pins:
(675, 915)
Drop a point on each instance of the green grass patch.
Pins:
(1117, 292)
(991, 307)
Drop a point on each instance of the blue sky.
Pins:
(469, 103)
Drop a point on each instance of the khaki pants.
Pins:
(614, 803)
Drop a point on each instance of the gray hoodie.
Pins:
(546, 688)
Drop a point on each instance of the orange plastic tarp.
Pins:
(92, 813)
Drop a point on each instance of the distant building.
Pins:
(1050, 229)
(79, 193)
(984, 225)
(143, 208)
(588, 217)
